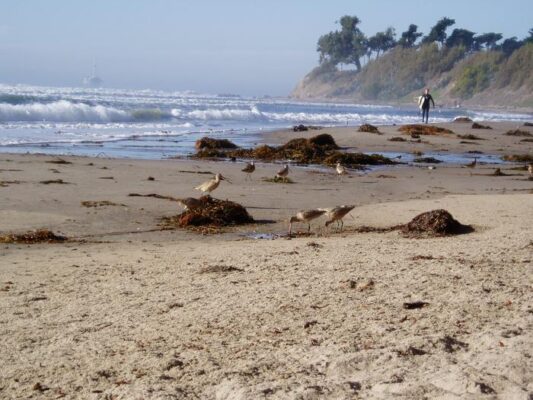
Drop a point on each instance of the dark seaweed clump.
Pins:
(435, 223)
(369, 128)
(518, 158)
(475, 125)
(213, 213)
(418, 129)
(38, 236)
(210, 143)
(320, 149)
(518, 132)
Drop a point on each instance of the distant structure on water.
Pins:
(93, 80)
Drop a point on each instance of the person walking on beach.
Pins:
(423, 103)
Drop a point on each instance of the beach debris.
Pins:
(305, 216)
(528, 123)
(210, 143)
(55, 181)
(369, 128)
(320, 149)
(58, 161)
(518, 158)
(299, 128)
(428, 160)
(210, 269)
(196, 172)
(249, 169)
(210, 213)
(277, 179)
(518, 132)
(309, 324)
(150, 178)
(100, 203)
(484, 388)
(413, 305)
(527, 140)
(475, 125)
(451, 345)
(336, 214)
(31, 237)
(462, 119)
(355, 386)
(411, 351)
(7, 183)
(435, 223)
(211, 185)
(106, 177)
(397, 139)
(470, 137)
(418, 129)
(40, 387)
(155, 195)
(432, 167)
(498, 172)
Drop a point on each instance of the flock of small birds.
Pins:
(333, 214)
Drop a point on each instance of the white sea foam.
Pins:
(61, 111)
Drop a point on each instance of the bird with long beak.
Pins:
(212, 184)
(336, 214)
(249, 169)
(305, 216)
(282, 173)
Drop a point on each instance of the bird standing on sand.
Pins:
(341, 170)
(249, 169)
(336, 214)
(282, 173)
(189, 203)
(212, 184)
(472, 164)
(306, 216)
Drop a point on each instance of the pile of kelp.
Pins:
(32, 237)
(435, 223)
(418, 129)
(210, 214)
(320, 149)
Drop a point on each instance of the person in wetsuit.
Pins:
(423, 102)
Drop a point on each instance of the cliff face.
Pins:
(487, 78)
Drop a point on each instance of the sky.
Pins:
(246, 47)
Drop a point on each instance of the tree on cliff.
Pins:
(438, 32)
(487, 40)
(461, 37)
(382, 41)
(409, 37)
(345, 46)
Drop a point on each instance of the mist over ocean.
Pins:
(155, 124)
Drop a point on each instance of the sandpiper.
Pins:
(212, 184)
(306, 216)
(249, 169)
(282, 173)
(336, 214)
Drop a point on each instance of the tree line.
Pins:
(350, 45)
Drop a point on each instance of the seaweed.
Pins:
(212, 213)
(462, 119)
(320, 149)
(418, 129)
(475, 125)
(470, 137)
(37, 236)
(518, 132)
(435, 223)
(429, 160)
(369, 128)
(101, 203)
(55, 181)
(7, 183)
(279, 179)
(210, 143)
(58, 161)
(397, 139)
(518, 158)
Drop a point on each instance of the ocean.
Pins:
(150, 124)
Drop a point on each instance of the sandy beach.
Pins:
(126, 310)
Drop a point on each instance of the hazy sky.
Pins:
(231, 46)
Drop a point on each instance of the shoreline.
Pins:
(132, 310)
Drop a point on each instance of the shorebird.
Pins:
(189, 203)
(306, 216)
(282, 173)
(336, 214)
(472, 164)
(212, 184)
(341, 169)
(249, 169)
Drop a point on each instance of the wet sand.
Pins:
(132, 311)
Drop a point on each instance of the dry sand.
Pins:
(133, 312)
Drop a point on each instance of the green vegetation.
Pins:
(461, 64)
